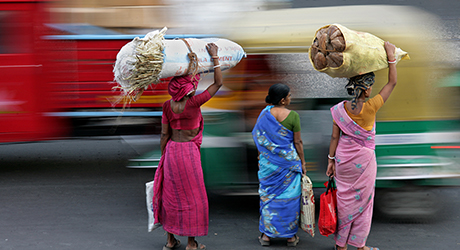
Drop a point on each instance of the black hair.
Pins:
(276, 92)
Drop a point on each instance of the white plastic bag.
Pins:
(307, 206)
(149, 200)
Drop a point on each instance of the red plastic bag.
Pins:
(327, 222)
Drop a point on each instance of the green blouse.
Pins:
(292, 121)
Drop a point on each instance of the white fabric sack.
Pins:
(307, 206)
(176, 61)
(145, 61)
(149, 200)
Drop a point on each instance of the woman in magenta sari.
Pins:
(180, 202)
(352, 159)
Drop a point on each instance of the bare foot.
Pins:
(264, 240)
(292, 242)
(175, 243)
(196, 245)
(367, 248)
(265, 237)
(340, 248)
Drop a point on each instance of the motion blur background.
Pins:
(56, 59)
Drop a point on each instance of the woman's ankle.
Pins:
(265, 237)
(293, 238)
(340, 248)
(191, 242)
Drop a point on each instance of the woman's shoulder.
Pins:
(200, 99)
(293, 113)
(376, 99)
(167, 103)
(292, 121)
(285, 112)
(376, 102)
(292, 116)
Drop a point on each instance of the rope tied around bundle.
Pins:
(193, 66)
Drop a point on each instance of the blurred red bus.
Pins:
(57, 79)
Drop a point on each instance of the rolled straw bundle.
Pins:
(139, 62)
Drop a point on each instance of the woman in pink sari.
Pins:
(180, 201)
(352, 159)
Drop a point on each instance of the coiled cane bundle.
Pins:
(341, 52)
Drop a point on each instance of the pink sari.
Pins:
(356, 170)
(180, 202)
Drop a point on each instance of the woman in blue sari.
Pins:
(281, 163)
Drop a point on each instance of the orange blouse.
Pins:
(366, 117)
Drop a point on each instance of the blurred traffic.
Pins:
(58, 83)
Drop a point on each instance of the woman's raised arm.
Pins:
(392, 72)
(212, 50)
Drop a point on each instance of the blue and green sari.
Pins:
(280, 174)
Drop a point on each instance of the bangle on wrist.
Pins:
(331, 157)
(217, 66)
(392, 61)
(215, 57)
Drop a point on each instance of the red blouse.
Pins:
(190, 118)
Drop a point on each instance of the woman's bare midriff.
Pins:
(183, 135)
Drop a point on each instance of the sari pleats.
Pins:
(183, 207)
(356, 170)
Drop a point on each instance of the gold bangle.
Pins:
(215, 57)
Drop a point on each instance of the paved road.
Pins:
(77, 194)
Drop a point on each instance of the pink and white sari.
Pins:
(356, 170)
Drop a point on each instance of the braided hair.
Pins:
(358, 84)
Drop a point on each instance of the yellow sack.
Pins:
(363, 53)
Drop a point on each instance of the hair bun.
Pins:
(276, 93)
(268, 99)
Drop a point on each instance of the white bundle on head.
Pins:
(145, 61)
(140, 62)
